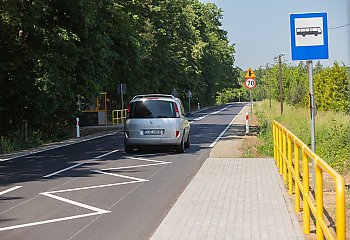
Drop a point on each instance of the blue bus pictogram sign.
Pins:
(309, 36)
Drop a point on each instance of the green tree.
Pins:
(55, 52)
(332, 89)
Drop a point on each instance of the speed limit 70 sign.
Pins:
(250, 83)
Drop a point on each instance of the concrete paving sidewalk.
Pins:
(232, 198)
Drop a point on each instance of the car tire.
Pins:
(128, 148)
(181, 147)
(188, 143)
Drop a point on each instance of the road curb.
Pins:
(55, 145)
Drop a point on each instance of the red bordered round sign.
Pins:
(250, 83)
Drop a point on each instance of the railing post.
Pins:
(280, 151)
(274, 140)
(319, 200)
(306, 208)
(297, 176)
(289, 169)
(340, 208)
(284, 161)
(118, 116)
(278, 147)
(113, 117)
(125, 114)
(122, 116)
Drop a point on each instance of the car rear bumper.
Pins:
(153, 141)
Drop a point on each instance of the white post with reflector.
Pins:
(247, 123)
(78, 127)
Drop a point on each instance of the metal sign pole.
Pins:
(121, 93)
(312, 114)
(189, 95)
(280, 79)
(312, 106)
(251, 104)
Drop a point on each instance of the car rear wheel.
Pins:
(187, 143)
(128, 148)
(181, 148)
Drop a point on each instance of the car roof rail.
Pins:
(153, 95)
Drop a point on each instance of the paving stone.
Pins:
(232, 198)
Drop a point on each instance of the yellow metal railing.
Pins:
(118, 116)
(288, 152)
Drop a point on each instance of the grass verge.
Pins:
(332, 132)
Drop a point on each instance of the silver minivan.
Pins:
(158, 120)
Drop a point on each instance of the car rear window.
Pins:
(152, 109)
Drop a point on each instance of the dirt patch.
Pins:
(250, 142)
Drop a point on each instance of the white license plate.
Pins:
(153, 132)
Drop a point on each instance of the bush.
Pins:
(15, 141)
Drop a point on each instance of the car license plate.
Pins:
(153, 132)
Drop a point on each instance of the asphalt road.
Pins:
(93, 190)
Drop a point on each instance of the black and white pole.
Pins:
(77, 127)
(247, 123)
(189, 95)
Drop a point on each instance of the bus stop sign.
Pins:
(309, 36)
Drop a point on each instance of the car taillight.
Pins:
(177, 133)
(129, 109)
(176, 111)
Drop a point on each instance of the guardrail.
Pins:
(118, 116)
(288, 152)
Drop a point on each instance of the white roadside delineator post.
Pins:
(78, 127)
(247, 123)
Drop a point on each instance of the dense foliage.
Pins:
(331, 86)
(54, 52)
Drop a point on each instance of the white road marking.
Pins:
(122, 176)
(63, 170)
(209, 114)
(223, 132)
(106, 154)
(48, 221)
(82, 205)
(96, 211)
(9, 190)
(147, 160)
(77, 165)
(135, 166)
(94, 187)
